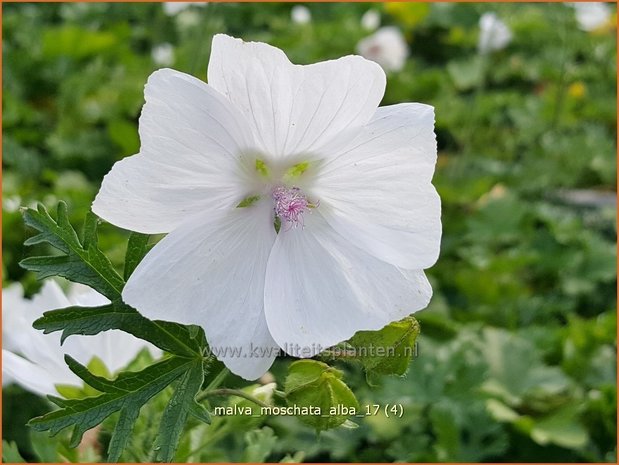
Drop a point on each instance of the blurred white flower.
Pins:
(387, 47)
(300, 14)
(163, 54)
(265, 392)
(173, 8)
(11, 203)
(307, 146)
(35, 360)
(591, 15)
(370, 20)
(494, 34)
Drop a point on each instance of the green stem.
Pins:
(237, 393)
(218, 379)
(472, 122)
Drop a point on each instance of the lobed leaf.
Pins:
(136, 250)
(181, 405)
(171, 337)
(81, 261)
(126, 394)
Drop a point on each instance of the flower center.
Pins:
(290, 205)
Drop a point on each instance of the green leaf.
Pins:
(136, 250)
(466, 74)
(446, 428)
(171, 337)
(76, 42)
(83, 262)
(260, 444)
(44, 447)
(561, 428)
(89, 231)
(126, 394)
(388, 351)
(80, 262)
(124, 133)
(181, 405)
(518, 375)
(315, 384)
(10, 453)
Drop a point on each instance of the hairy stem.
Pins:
(237, 393)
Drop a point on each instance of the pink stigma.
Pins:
(290, 204)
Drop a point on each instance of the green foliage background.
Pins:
(517, 354)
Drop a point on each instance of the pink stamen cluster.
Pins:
(290, 204)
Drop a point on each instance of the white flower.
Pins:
(265, 392)
(370, 20)
(163, 54)
(300, 14)
(35, 360)
(11, 203)
(350, 184)
(493, 34)
(591, 15)
(173, 8)
(387, 47)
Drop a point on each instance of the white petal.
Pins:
(210, 272)
(50, 297)
(85, 296)
(20, 337)
(14, 322)
(321, 289)
(116, 360)
(377, 191)
(34, 377)
(294, 109)
(116, 349)
(36, 360)
(191, 159)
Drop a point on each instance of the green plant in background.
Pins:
(518, 353)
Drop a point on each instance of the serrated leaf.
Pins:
(58, 401)
(315, 384)
(181, 405)
(82, 262)
(136, 250)
(387, 351)
(122, 433)
(199, 412)
(171, 337)
(98, 382)
(89, 232)
(127, 394)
